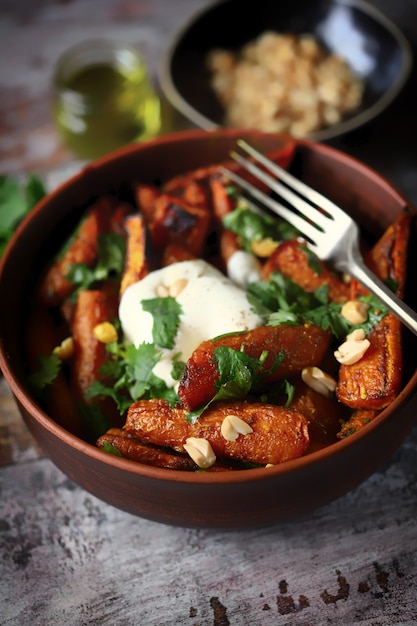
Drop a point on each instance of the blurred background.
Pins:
(33, 35)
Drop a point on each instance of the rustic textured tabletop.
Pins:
(68, 558)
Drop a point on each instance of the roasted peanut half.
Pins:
(355, 312)
(233, 426)
(318, 380)
(200, 451)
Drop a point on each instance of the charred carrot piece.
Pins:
(175, 221)
(228, 244)
(375, 380)
(196, 193)
(145, 196)
(135, 450)
(278, 434)
(174, 253)
(132, 448)
(223, 202)
(294, 261)
(358, 419)
(118, 217)
(301, 346)
(138, 259)
(82, 248)
(90, 355)
(323, 414)
(177, 184)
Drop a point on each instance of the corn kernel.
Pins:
(105, 332)
(65, 350)
(264, 247)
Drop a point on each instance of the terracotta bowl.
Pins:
(232, 500)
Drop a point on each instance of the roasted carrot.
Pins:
(175, 221)
(133, 449)
(294, 261)
(323, 414)
(375, 380)
(279, 434)
(137, 260)
(175, 253)
(82, 248)
(357, 420)
(301, 346)
(90, 355)
(145, 196)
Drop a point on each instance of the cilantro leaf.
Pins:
(252, 226)
(111, 449)
(328, 316)
(16, 200)
(280, 294)
(130, 369)
(111, 250)
(49, 369)
(239, 374)
(377, 310)
(166, 314)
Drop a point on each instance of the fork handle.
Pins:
(357, 268)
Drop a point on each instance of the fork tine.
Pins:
(305, 228)
(309, 211)
(314, 196)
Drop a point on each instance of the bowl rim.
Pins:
(175, 98)
(170, 475)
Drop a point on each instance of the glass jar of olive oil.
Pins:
(103, 98)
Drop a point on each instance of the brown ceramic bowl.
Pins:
(233, 500)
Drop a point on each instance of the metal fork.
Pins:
(329, 231)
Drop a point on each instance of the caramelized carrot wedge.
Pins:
(175, 221)
(375, 380)
(356, 421)
(223, 202)
(132, 448)
(229, 244)
(279, 434)
(174, 253)
(323, 414)
(196, 193)
(293, 260)
(93, 307)
(301, 346)
(145, 196)
(137, 260)
(82, 248)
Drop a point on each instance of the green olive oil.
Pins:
(103, 103)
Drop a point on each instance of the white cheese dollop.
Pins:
(243, 268)
(211, 303)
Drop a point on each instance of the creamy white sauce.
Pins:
(243, 268)
(211, 303)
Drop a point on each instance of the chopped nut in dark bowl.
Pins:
(191, 441)
(316, 68)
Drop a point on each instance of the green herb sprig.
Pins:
(16, 200)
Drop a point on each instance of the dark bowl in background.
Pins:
(232, 500)
(374, 47)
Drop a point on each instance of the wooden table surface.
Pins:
(68, 558)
